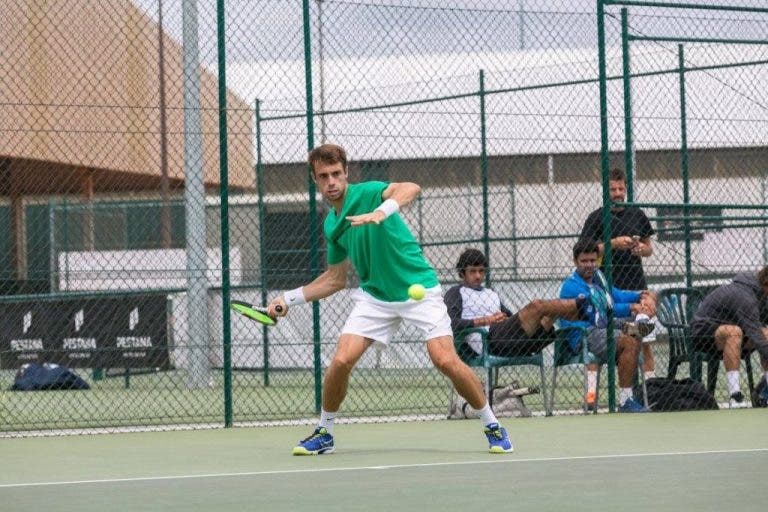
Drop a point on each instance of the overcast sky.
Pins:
(269, 30)
(258, 29)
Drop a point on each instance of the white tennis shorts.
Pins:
(378, 320)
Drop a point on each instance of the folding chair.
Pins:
(492, 363)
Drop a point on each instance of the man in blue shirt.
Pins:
(586, 281)
(631, 233)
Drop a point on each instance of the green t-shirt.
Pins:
(386, 256)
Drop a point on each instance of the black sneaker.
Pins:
(737, 401)
(762, 398)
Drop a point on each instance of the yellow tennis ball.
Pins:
(416, 291)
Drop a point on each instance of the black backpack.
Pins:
(757, 394)
(676, 395)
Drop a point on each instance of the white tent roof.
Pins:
(725, 108)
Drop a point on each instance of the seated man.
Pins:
(586, 281)
(526, 332)
(729, 314)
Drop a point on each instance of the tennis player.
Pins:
(364, 229)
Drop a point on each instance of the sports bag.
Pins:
(35, 376)
(676, 395)
(759, 395)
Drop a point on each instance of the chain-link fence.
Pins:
(115, 254)
(691, 109)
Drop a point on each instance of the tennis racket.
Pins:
(258, 313)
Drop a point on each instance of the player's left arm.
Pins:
(395, 196)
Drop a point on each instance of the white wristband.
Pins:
(389, 207)
(294, 297)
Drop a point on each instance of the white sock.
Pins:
(624, 395)
(326, 420)
(650, 374)
(486, 415)
(591, 380)
(733, 381)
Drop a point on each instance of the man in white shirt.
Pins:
(470, 304)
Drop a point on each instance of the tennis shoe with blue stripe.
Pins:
(320, 442)
(632, 405)
(498, 439)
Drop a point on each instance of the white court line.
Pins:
(394, 466)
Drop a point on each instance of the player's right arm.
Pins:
(395, 196)
(327, 283)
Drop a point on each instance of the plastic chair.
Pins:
(675, 310)
(492, 363)
(564, 356)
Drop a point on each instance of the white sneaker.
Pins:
(737, 401)
(640, 328)
(652, 335)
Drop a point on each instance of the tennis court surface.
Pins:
(663, 461)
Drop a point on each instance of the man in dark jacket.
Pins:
(729, 319)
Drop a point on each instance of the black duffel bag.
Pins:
(35, 376)
(676, 395)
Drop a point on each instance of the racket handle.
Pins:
(279, 308)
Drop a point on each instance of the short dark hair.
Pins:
(327, 154)
(471, 258)
(762, 276)
(584, 246)
(616, 174)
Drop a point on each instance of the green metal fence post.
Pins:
(224, 212)
(65, 243)
(629, 160)
(313, 224)
(513, 223)
(604, 163)
(484, 174)
(262, 246)
(764, 200)
(684, 163)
